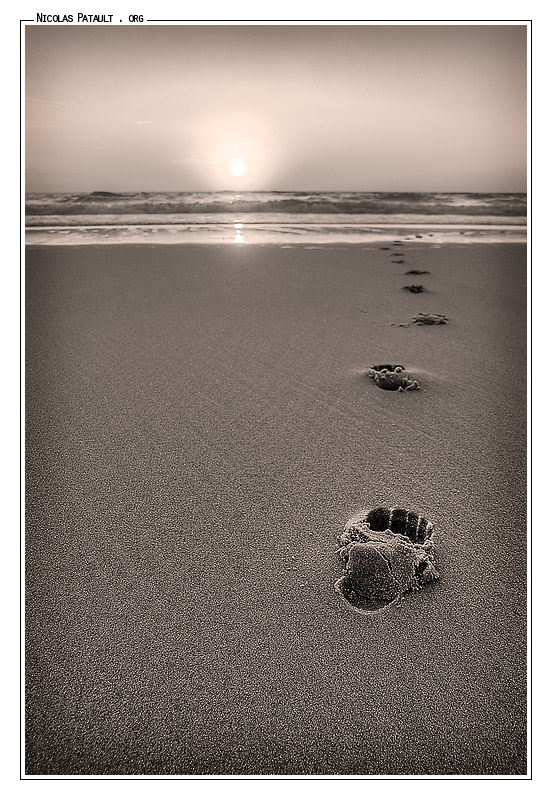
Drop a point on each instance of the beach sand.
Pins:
(199, 429)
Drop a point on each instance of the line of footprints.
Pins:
(388, 552)
(394, 377)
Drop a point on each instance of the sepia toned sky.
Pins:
(358, 107)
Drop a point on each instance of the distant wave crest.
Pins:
(292, 203)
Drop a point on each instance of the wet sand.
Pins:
(199, 429)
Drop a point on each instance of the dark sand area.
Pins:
(199, 430)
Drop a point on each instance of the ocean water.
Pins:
(287, 218)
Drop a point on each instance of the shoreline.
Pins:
(249, 234)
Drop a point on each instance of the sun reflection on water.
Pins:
(238, 236)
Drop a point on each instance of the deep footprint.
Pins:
(418, 272)
(388, 367)
(387, 552)
(415, 289)
(393, 378)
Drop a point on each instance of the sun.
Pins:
(237, 167)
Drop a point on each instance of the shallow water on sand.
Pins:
(253, 232)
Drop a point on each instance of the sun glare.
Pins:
(237, 167)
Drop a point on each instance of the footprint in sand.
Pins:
(418, 272)
(423, 319)
(415, 288)
(393, 378)
(399, 261)
(430, 319)
(387, 552)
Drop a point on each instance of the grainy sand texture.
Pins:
(200, 426)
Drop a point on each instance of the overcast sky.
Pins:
(361, 107)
